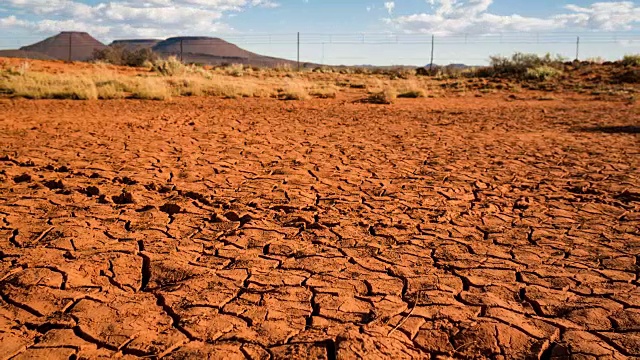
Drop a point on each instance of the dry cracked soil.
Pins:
(257, 229)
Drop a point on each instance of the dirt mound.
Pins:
(22, 54)
(77, 46)
(136, 44)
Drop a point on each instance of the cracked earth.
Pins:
(256, 229)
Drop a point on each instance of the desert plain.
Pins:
(467, 225)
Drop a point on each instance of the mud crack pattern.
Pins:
(257, 229)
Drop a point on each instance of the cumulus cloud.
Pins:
(474, 16)
(126, 18)
(10, 21)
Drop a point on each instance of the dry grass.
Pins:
(324, 91)
(386, 96)
(165, 81)
(169, 78)
(150, 89)
(48, 86)
(293, 91)
(410, 89)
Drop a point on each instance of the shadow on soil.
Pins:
(631, 129)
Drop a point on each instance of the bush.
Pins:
(542, 73)
(236, 70)
(169, 67)
(174, 67)
(118, 55)
(631, 60)
(518, 65)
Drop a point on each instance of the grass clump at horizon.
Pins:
(631, 60)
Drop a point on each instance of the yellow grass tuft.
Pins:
(386, 96)
(150, 89)
(48, 86)
(410, 89)
(293, 91)
(323, 91)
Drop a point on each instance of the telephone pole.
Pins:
(181, 52)
(433, 42)
(298, 51)
(70, 44)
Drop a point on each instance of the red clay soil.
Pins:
(257, 229)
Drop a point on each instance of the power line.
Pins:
(293, 45)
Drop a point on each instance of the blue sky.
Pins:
(348, 31)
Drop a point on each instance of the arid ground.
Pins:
(465, 227)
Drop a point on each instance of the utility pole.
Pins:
(578, 48)
(70, 44)
(298, 51)
(181, 52)
(433, 42)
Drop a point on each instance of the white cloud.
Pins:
(389, 5)
(10, 21)
(623, 15)
(126, 18)
(473, 16)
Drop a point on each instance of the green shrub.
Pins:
(518, 65)
(542, 73)
(631, 60)
(169, 67)
(119, 55)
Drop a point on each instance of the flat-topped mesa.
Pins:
(67, 45)
(203, 45)
(80, 46)
(214, 51)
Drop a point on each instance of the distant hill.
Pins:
(193, 49)
(78, 45)
(203, 50)
(202, 46)
(213, 51)
(451, 66)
